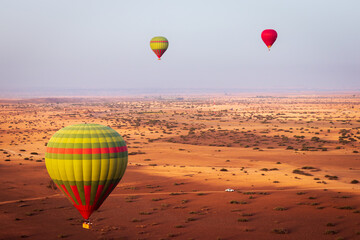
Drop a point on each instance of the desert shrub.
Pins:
(135, 153)
(247, 214)
(263, 193)
(145, 213)
(298, 171)
(330, 232)
(173, 235)
(331, 177)
(308, 167)
(315, 139)
(346, 208)
(243, 220)
(280, 231)
(280, 208)
(179, 226)
(157, 199)
(52, 185)
(249, 193)
(191, 219)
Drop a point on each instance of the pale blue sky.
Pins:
(213, 44)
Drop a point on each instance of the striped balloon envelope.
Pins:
(159, 45)
(86, 162)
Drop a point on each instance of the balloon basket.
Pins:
(87, 224)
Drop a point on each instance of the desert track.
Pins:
(183, 193)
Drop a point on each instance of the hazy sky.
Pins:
(212, 44)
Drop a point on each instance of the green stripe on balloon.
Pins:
(84, 135)
(85, 145)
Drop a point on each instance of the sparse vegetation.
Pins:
(346, 207)
(202, 144)
(297, 171)
(243, 220)
(280, 231)
(280, 208)
(330, 232)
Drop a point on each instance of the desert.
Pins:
(292, 161)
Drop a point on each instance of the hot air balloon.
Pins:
(86, 162)
(159, 45)
(269, 37)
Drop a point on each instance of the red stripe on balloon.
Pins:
(85, 211)
(87, 190)
(86, 150)
(159, 52)
(67, 193)
(76, 193)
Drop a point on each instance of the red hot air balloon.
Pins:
(269, 37)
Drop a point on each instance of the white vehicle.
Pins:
(229, 190)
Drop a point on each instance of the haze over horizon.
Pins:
(51, 46)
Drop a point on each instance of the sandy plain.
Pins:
(293, 162)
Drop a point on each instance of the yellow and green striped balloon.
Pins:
(159, 45)
(86, 161)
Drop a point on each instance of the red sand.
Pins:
(184, 155)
